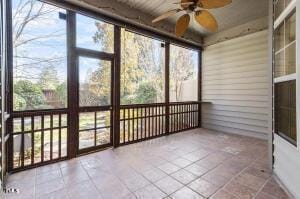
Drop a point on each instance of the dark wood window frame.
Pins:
(72, 51)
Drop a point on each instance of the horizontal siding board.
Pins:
(242, 109)
(235, 125)
(246, 121)
(234, 69)
(235, 82)
(253, 85)
(235, 92)
(232, 48)
(239, 103)
(235, 65)
(236, 58)
(242, 50)
(246, 115)
(257, 98)
(261, 73)
(235, 131)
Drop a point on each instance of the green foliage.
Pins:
(146, 93)
(29, 92)
(61, 92)
(48, 78)
(19, 102)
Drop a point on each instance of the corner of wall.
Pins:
(238, 31)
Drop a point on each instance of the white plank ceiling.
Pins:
(237, 13)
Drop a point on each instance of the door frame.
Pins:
(86, 53)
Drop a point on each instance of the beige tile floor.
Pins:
(192, 164)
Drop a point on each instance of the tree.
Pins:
(146, 93)
(27, 37)
(19, 102)
(39, 39)
(100, 83)
(181, 69)
(48, 78)
(30, 93)
(61, 91)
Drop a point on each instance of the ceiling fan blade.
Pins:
(182, 25)
(166, 15)
(186, 3)
(210, 4)
(206, 20)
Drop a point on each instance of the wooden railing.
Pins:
(38, 137)
(183, 116)
(140, 122)
(146, 121)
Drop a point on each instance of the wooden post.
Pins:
(199, 87)
(167, 85)
(72, 86)
(116, 95)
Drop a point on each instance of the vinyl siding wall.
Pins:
(235, 82)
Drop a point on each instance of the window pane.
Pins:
(95, 82)
(94, 34)
(103, 136)
(86, 139)
(285, 110)
(86, 120)
(183, 74)
(290, 29)
(279, 6)
(39, 53)
(290, 59)
(279, 37)
(142, 69)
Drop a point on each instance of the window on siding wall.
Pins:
(285, 73)
(183, 74)
(279, 6)
(285, 111)
(285, 47)
(39, 56)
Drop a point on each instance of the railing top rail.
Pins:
(156, 104)
(38, 112)
(183, 103)
(142, 105)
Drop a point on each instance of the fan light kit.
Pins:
(199, 9)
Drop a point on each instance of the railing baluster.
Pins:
(51, 136)
(22, 142)
(42, 138)
(124, 125)
(59, 136)
(137, 123)
(32, 139)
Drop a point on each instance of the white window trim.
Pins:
(297, 6)
(294, 4)
(285, 13)
(285, 78)
(285, 47)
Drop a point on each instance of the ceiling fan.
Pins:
(199, 9)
